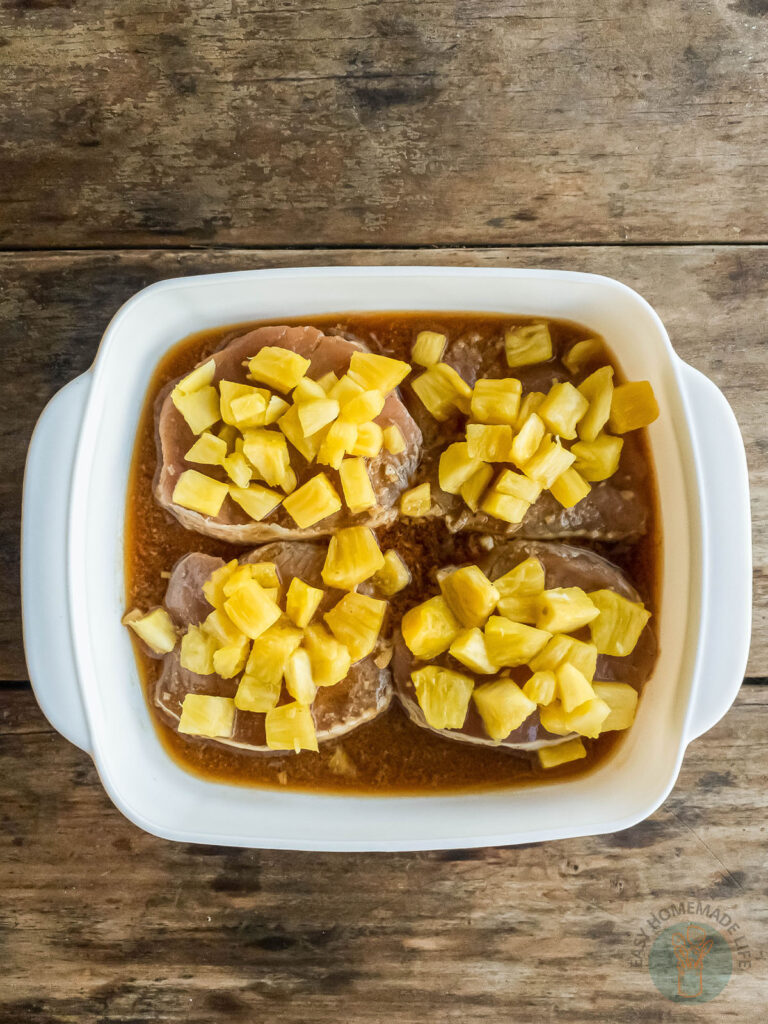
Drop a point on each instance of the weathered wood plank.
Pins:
(56, 307)
(139, 929)
(381, 123)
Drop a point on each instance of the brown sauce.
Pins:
(390, 754)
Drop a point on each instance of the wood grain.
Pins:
(136, 122)
(56, 306)
(101, 922)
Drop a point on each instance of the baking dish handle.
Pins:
(726, 579)
(45, 609)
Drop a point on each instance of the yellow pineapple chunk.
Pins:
(199, 493)
(308, 390)
(473, 490)
(512, 643)
(527, 344)
(519, 486)
(430, 628)
(553, 719)
(279, 368)
(573, 688)
(504, 506)
(496, 401)
(315, 500)
(156, 629)
(213, 588)
(489, 442)
(580, 354)
(257, 694)
(338, 442)
(618, 626)
(329, 659)
(265, 574)
(540, 688)
(394, 441)
(229, 435)
(587, 719)
(550, 461)
(562, 409)
(469, 648)
(267, 452)
(238, 469)
(469, 594)
(563, 648)
(229, 661)
(345, 389)
(565, 609)
(377, 373)
(562, 753)
(598, 390)
(244, 405)
(428, 348)
(316, 414)
(356, 622)
(298, 677)
(219, 625)
(201, 377)
(443, 696)
(633, 406)
(519, 609)
(442, 391)
(503, 707)
(525, 444)
(199, 408)
(197, 650)
(598, 459)
(290, 425)
(256, 501)
(393, 576)
(528, 406)
(621, 698)
(251, 609)
(327, 381)
(570, 487)
(202, 715)
(417, 501)
(369, 440)
(456, 467)
(276, 407)
(290, 727)
(362, 408)
(260, 687)
(302, 601)
(353, 557)
(356, 485)
(525, 579)
(207, 450)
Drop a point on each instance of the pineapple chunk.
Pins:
(473, 490)
(540, 688)
(553, 719)
(519, 609)
(201, 377)
(302, 601)
(356, 622)
(580, 354)
(598, 459)
(251, 609)
(504, 506)
(588, 718)
(563, 648)
(428, 348)
(316, 414)
(550, 461)
(469, 594)
(469, 648)
(353, 557)
(573, 688)
(202, 715)
(265, 574)
(327, 381)
(197, 650)
(377, 373)
(266, 666)
(519, 486)
(456, 467)
(257, 694)
(298, 677)
(345, 389)
(525, 579)
(329, 659)
(279, 368)
(526, 443)
(339, 440)
(276, 407)
(430, 628)
(267, 452)
(213, 588)
(229, 661)
(363, 408)
(618, 626)
(443, 696)
(256, 501)
(527, 344)
(200, 408)
(208, 450)
(199, 493)
(598, 390)
(394, 441)
(528, 406)
(633, 406)
(489, 442)
(290, 727)
(156, 629)
(562, 753)
(621, 698)
(565, 609)
(442, 391)
(393, 576)
(503, 707)
(290, 425)
(369, 440)
(229, 435)
(417, 501)
(238, 469)
(289, 481)
(219, 625)
(308, 390)
(243, 406)
(356, 485)
(562, 409)
(496, 401)
(512, 643)
(315, 500)
(570, 487)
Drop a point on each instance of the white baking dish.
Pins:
(80, 657)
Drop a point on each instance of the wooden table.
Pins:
(144, 140)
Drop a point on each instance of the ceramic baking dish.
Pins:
(80, 658)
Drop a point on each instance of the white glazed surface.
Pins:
(701, 474)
